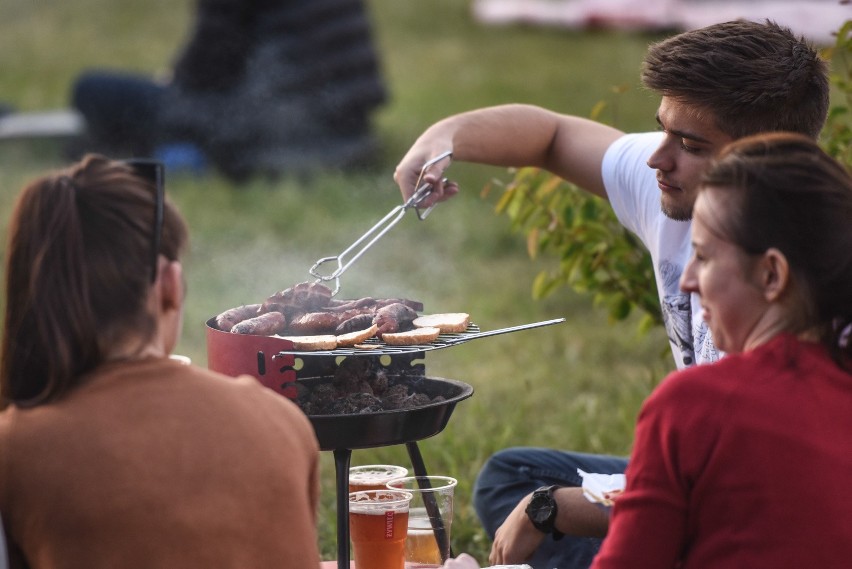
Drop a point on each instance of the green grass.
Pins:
(577, 385)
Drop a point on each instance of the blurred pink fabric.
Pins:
(463, 561)
(817, 20)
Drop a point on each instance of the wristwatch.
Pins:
(542, 510)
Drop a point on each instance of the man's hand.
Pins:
(408, 171)
(517, 539)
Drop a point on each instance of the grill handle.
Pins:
(464, 338)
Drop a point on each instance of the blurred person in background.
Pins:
(757, 473)
(113, 454)
(717, 84)
(262, 87)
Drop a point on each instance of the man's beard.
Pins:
(675, 213)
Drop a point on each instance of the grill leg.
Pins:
(429, 500)
(341, 467)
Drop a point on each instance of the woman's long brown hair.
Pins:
(78, 275)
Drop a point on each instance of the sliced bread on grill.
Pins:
(449, 322)
(352, 338)
(313, 343)
(411, 337)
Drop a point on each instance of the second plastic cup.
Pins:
(429, 520)
(374, 476)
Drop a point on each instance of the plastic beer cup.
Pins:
(429, 519)
(378, 525)
(374, 476)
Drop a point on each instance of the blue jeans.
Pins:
(512, 473)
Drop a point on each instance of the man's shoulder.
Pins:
(626, 159)
(635, 143)
(631, 185)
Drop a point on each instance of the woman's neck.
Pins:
(130, 353)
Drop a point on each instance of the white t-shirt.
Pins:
(633, 192)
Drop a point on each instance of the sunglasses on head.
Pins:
(154, 172)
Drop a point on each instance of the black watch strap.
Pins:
(543, 501)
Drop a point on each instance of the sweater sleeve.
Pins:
(650, 522)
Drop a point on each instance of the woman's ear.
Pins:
(774, 274)
(171, 286)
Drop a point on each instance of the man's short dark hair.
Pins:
(751, 77)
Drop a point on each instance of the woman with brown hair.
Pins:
(757, 473)
(112, 454)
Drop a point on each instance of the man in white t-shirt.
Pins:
(635, 198)
(717, 84)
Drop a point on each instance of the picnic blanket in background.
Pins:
(817, 20)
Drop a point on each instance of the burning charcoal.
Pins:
(351, 372)
(303, 393)
(379, 382)
(418, 400)
(395, 396)
(356, 386)
(322, 395)
(354, 403)
(362, 385)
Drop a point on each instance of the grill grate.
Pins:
(442, 341)
(383, 349)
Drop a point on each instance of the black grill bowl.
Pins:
(385, 428)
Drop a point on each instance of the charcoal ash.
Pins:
(362, 385)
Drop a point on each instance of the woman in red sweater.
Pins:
(111, 453)
(758, 472)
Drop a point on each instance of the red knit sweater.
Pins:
(744, 463)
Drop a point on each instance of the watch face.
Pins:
(540, 509)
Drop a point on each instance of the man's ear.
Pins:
(171, 286)
(774, 274)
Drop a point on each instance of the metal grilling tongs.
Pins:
(378, 230)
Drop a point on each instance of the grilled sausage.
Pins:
(232, 316)
(314, 323)
(394, 317)
(263, 325)
(302, 297)
(345, 305)
(359, 322)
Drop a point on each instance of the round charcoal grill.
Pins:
(275, 363)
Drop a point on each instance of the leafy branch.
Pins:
(836, 137)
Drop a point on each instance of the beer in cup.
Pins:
(378, 525)
(429, 519)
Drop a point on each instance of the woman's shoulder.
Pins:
(738, 373)
(248, 387)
